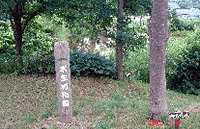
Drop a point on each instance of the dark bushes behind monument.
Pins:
(81, 63)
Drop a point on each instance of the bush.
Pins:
(174, 50)
(30, 64)
(8, 64)
(187, 77)
(37, 64)
(7, 41)
(83, 63)
(177, 24)
(137, 62)
(37, 38)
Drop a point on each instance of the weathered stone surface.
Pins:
(63, 80)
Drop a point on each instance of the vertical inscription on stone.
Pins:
(63, 80)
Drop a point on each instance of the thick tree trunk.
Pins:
(119, 44)
(18, 33)
(159, 33)
(16, 22)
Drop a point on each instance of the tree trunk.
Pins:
(16, 22)
(119, 44)
(159, 33)
(18, 33)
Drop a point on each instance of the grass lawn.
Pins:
(31, 102)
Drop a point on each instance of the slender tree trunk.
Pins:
(140, 20)
(159, 33)
(119, 44)
(16, 23)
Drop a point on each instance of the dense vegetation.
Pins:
(81, 63)
(89, 64)
(99, 102)
(35, 61)
(42, 31)
(187, 77)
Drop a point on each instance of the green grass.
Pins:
(31, 102)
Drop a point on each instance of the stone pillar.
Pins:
(63, 80)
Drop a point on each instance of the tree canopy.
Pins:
(21, 12)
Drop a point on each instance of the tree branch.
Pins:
(32, 15)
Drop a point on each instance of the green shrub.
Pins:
(31, 64)
(7, 41)
(9, 65)
(141, 29)
(37, 38)
(177, 24)
(82, 63)
(37, 64)
(196, 36)
(137, 62)
(187, 77)
(174, 50)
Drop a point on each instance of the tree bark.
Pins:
(18, 33)
(119, 44)
(159, 33)
(16, 23)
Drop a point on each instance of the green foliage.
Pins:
(141, 29)
(132, 43)
(138, 7)
(83, 63)
(177, 24)
(8, 64)
(6, 38)
(37, 38)
(187, 77)
(128, 34)
(36, 64)
(174, 50)
(114, 123)
(78, 15)
(196, 37)
(137, 62)
(109, 113)
(31, 64)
